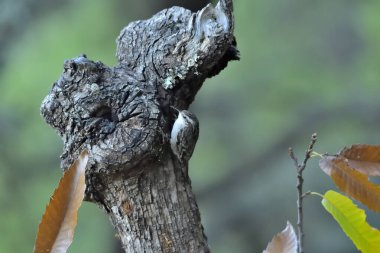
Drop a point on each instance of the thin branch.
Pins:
(300, 168)
(309, 151)
(294, 158)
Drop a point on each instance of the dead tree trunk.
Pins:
(122, 116)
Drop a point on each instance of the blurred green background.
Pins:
(307, 66)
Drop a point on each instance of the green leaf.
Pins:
(353, 222)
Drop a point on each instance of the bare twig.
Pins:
(300, 168)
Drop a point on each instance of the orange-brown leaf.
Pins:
(352, 182)
(56, 229)
(364, 158)
(284, 242)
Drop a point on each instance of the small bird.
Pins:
(184, 136)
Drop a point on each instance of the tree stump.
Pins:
(122, 115)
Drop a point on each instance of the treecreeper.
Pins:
(124, 116)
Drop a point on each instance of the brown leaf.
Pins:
(284, 242)
(326, 163)
(364, 158)
(351, 181)
(56, 230)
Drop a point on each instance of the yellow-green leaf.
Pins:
(353, 222)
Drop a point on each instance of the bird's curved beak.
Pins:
(174, 108)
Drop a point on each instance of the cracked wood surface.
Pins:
(122, 116)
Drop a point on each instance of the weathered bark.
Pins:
(122, 116)
(193, 5)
